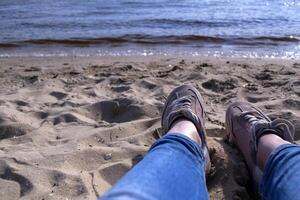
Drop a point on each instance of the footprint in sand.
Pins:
(10, 130)
(296, 87)
(116, 111)
(292, 104)
(8, 173)
(220, 86)
(58, 95)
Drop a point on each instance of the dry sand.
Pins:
(71, 127)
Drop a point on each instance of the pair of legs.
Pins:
(176, 164)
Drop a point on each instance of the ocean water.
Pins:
(242, 28)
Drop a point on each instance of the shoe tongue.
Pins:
(286, 128)
(280, 127)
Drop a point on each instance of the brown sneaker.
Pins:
(245, 124)
(186, 102)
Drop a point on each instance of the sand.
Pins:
(71, 127)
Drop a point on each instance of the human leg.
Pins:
(281, 177)
(266, 146)
(172, 169)
(175, 165)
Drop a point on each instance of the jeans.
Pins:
(174, 169)
(281, 178)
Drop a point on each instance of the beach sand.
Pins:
(70, 127)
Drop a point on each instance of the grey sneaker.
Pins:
(245, 124)
(186, 102)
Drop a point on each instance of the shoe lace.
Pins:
(253, 117)
(260, 126)
(184, 102)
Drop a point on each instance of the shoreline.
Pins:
(135, 53)
(147, 58)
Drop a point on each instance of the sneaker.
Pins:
(245, 124)
(186, 102)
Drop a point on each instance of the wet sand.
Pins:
(71, 127)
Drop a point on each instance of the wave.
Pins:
(202, 23)
(155, 40)
(184, 22)
(8, 45)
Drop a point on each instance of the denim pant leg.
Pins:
(172, 169)
(281, 178)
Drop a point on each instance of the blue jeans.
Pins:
(281, 178)
(174, 169)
